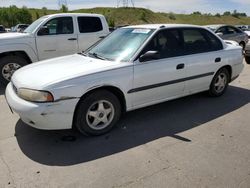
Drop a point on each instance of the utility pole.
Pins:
(125, 3)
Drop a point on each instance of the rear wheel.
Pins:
(8, 65)
(219, 83)
(97, 113)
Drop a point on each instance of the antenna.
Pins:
(125, 3)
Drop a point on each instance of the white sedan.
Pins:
(133, 67)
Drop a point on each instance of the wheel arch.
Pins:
(113, 89)
(229, 69)
(19, 53)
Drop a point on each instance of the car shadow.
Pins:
(138, 127)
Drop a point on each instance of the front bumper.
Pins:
(47, 116)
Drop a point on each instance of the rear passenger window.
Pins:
(214, 43)
(89, 24)
(199, 41)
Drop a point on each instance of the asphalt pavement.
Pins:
(196, 141)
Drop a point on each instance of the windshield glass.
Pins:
(120, 45)
(34, 25)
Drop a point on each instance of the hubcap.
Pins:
(100, 114)
(9, 69)
(220, 82)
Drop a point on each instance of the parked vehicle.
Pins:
(7, 30)
(50, 36)
(247, 53)
(133, 67)
(20, 27)
(2, 29)
(228, 32)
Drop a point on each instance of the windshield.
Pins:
(34, 25)
(120, 45)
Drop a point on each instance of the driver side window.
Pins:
(167, 43)
(62, 25)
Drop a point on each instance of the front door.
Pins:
(57, 38)
(160, 78)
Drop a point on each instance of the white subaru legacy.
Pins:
(134, 67)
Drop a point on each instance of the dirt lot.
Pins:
(195, 141)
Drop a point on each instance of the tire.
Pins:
(97, 113)
(8, 65)
(219, 83)
(242, 44)
(247, 58)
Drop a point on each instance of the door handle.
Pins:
(180, 66)
(72, 39)
(217, 60)
(102, 37)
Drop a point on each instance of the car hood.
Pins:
(12, 37)
(42, 74)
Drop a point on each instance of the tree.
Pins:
(227, 13)
(64, 8)
(197, 13)
(217, 15)
(12, 15)
(37, 15)
(44, 10)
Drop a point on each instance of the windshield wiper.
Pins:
(97, 56)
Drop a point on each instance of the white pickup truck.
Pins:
(49, 36)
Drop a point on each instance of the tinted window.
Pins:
(199, 41)
(89, 24)
(234, 30)
(214, 43)
(62, 25)
(222, 30)
(167, 43)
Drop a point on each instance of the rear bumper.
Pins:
(48, 116)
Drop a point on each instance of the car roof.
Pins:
(74, 14)
(159, 26)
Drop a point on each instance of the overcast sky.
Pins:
(177, 6)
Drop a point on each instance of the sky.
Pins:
(176, 6)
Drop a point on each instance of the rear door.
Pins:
(203, 57)
(57, 39)
(90, 31)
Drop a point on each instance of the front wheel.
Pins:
(219, 83)
(8, 65)
(97, 113)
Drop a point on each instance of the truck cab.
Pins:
(48, 37)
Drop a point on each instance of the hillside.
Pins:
(123, 16)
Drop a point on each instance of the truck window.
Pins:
(89, 24)
(62, 25)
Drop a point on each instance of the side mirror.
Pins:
(219, 34)
(149, 55)
(43, 31)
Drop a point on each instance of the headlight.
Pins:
(35, 95)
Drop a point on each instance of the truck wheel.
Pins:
(8, 65)
(97, 113)
(219, 83)
(247, 59)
